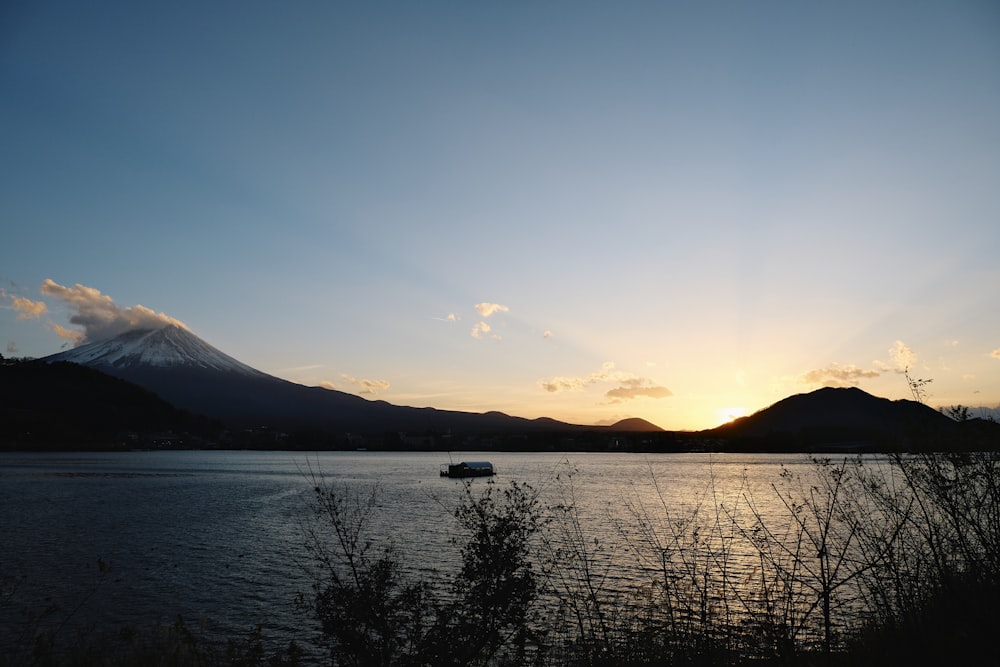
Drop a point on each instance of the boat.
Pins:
(468, 469)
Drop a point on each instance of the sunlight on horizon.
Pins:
(726, 415)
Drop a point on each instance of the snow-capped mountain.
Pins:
(186, 371)
(171, 346)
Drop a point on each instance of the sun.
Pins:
(726, 415)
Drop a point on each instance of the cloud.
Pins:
(995, 353)
(363, 387)
(547, 334)
(636, 388)
(99, 316)
(26, 308)
(558, 384)
(452, 317)
(486, 309)
(836, 375)
(630, 386)
(480, 330)
(902, 356)
(70, 335)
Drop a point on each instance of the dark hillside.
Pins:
(68, 406)
(634, 425)
(849, 418)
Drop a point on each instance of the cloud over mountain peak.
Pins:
(99, 316)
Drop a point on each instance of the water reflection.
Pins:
(218, 537)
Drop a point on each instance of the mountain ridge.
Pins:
(189, 373)
(192, 375)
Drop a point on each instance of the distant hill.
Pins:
(634, 425)
(849, 418)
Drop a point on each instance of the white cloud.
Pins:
(486, 309)
(547, 334)
(902, 356)
(480, 329)
(100, 318)
(630, 386)
(995, 353)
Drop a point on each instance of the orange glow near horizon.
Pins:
(726, 415)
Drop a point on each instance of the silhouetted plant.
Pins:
(368, 612)
(576, 568)
(492, 597)
(372, 614)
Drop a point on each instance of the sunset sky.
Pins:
(681, 211)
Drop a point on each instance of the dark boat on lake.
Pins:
(468, 469)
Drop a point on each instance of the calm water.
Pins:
(218, 537)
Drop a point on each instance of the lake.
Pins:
(218, 536)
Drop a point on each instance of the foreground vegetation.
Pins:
(869, 561)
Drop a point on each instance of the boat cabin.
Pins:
(468, 469)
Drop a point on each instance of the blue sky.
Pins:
(680, 211)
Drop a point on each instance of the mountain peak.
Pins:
(635, 425)
(835, 410)
(167, 347)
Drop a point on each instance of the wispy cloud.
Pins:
(836, 375)
(482, 330)
(995, 353)
(557, 384)
(25, 307)
(902, 357)
(70, 335)
(629, 386)
(485, 309)
(99, 316)
(636, 388)
(363, 387)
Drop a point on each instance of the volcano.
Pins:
(189, 373)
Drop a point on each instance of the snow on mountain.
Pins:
(190, 374)
(168, 347)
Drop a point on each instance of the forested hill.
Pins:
(68, 406)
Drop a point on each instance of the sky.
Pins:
(680, 211)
